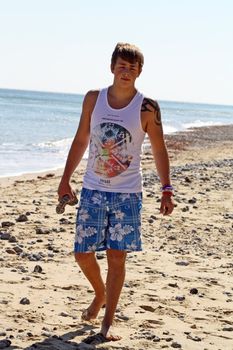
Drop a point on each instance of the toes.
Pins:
(112, 337)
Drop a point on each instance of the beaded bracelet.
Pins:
(167, 187)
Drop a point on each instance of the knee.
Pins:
(83, 258)
(116, 258)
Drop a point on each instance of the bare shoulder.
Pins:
(149, 105)
(90, 99)
(150, 113)
(91, 95)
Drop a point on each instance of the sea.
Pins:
(37, 128)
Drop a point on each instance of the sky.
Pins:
(66, 46)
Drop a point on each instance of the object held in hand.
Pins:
(60, 208)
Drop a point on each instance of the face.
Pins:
(125, 72)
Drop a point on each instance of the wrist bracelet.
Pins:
(167, 188)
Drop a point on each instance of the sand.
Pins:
(178, 292)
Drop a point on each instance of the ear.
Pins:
(112, 67)
(139, 71)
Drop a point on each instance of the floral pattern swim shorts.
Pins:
(108, 220)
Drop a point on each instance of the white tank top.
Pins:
(115, 147)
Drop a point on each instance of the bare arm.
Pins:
(79, 144)
(151, 122)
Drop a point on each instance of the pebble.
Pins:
(42, 231)
(7, 223)
(172, 238)
(38, 269)
(46, 334)
(192, 200)
(186, 208)
(147, 308)
(5, 236)
(182, 263)
(10, 251)
(187, 180)
(18, 249)
(227, 329)
(195, 338)
(5, 343)
(175, 345)
(64, 314)
(180, 298)
(174, 285)
(12, 239)
(64, 221)
(37, 203)
(35, 257)
(22, 218)
(228, 216)
(24, 301)
(193, 291)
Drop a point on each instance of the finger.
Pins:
(166, 211)
(169, 210)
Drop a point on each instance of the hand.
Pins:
(64, 189)
(167, 205)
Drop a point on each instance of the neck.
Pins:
(120, 98)
(121, 93)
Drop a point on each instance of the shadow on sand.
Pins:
(63, 342)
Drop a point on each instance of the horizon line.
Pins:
(83, 94)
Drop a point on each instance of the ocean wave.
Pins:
(59, 145)
(199, 123)
(168, 129)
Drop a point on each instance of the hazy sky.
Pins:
(66, 45)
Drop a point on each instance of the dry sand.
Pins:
(178, 292)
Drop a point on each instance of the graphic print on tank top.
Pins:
(111, 149)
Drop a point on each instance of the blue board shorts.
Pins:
(108, 220)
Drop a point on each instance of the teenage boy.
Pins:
(114, 122)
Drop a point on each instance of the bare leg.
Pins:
(91, 269)
(114, 284)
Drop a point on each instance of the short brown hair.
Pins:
(127, 52)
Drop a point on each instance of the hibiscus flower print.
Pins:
(92, 248)
(124, 196)
(81, 233)
(83, 214)
(127, 229)
(116, 232)
(119, 214)
(132, 246)
(96, 198)
(90, 231)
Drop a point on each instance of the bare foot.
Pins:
(102, 337)
(92, 311)
(109, 333)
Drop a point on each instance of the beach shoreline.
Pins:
(176, 142)
(178, 291)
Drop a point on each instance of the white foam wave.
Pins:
(58, 145)
(199, 123)
(168, 129)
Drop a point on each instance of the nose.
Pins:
(125, 70)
